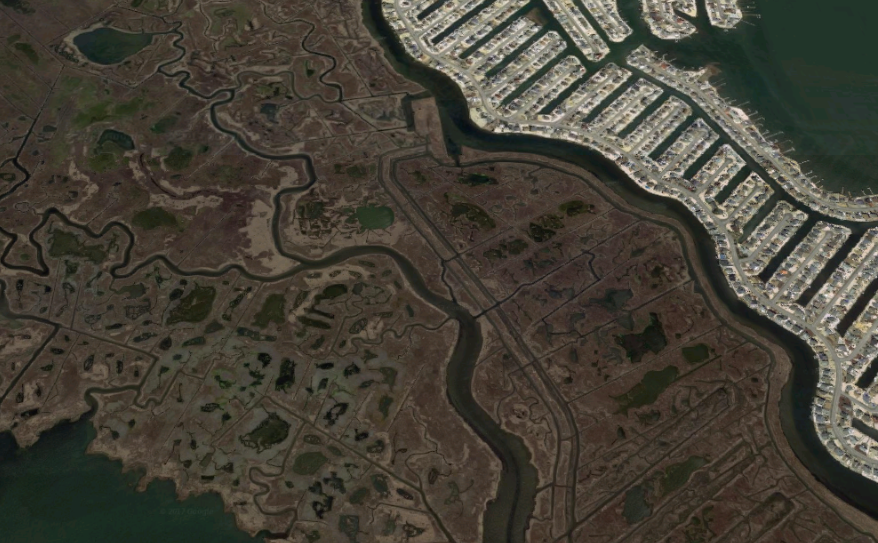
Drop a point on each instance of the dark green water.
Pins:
(808, 69)
(823, 75)
(110, 46)
(54, 492)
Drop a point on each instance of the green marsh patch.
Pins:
(359, 496)
(286, 376)
(20, 6)
(28, 51)
(272, 311)
(111, 145)
(647, 391)
(309, 463)
(132, 292)
(652, 339)
(119, 139)
(331, 292)
(268, 433)
(575, 207)
(313, 323)
(384, 405)
(544, 228)
(676, 475)
(101, 162)
(194, 307)
(636, 507)
(614, 299)
(505, 250)
(68, 244)
(312, 209)
(372, 217)
(462, 210)
(178, 159)
(641, 499)
(357, 171)
(236, 12)
(154, 217)
(97, 112)
(164, 124)
(696, 354)
(476, 180)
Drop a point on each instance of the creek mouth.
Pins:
(798, 392)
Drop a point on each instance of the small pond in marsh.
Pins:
(110, 46)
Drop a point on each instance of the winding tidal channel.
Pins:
(506, 517)
(798, 393)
